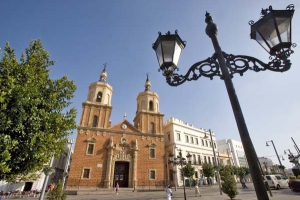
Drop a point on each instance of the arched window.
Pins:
(151, 105)
(152, 129)
(95, 121)
(99, 97)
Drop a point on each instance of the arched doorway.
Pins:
(121, 173)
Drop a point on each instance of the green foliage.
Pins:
(34, 110)
(57, 193)
(188, 170)
(228, 182)
(208, 170)
(242, 171)
(235, 170)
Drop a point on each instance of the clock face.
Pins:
(124, 126)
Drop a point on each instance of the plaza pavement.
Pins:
(207, 192)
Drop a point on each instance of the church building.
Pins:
(105, 154)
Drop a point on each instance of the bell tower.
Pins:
(96, 110)
(148, 118)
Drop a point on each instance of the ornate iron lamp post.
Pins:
(65, 174)
(285, 151)
(215, 162)
(189, 156)
(47, 171)
(281, 166)
(181, 161)
(172, 160)
(272, 32)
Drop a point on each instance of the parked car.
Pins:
(277, 181)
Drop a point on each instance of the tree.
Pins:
(208, 170)
(235, 170)
(228, 182)
(35, 113)
(242, 171)
(57, 193)
(188, 171)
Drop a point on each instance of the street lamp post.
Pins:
(216, 163)
(181, 162)
(272, 32)
(281, 166)
(287, 150)
(296, 146)
(65, 174)
(47, 171)
(189, 158)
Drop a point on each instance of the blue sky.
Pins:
(83, 35)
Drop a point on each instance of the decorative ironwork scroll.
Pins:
(236, 64)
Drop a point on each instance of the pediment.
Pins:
(125, 126)
(91, 140)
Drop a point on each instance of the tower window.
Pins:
(90, 149)
(95, 121)
(151, 105)
(152, 129)
(99, 97)
(152, 173)
(86, 173)
(152, 153)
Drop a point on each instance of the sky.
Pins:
(84, 35)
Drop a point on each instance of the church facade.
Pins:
(105, 154)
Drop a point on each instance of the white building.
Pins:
(190, 140)
(237, 151)
(266, 164)
(60, 164)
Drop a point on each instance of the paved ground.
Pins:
(208, 193)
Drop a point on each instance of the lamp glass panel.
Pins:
(268, 32)
(159, 55)
(168, 50)
(177, 53)
(284, 27)
(262, 42)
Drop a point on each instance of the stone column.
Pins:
(109, 163)
(135, 159)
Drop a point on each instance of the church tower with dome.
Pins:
(105, 154)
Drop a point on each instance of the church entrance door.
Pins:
(121, 173)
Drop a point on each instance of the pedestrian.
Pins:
(169, 192)
(51, 186)
(117, 188)
(197, 192)
(243, 183)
